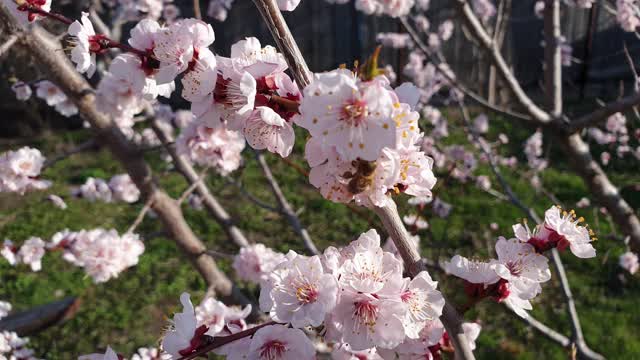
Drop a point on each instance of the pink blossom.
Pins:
(182, 338)
(215, 315)
(560, 230)
(49, 92)
(265, 129)
(298, 291)
(277, 342)
(422, 301)
(124, 189)
(31, 253)
(288, 5)
(351, 115)
(344, 352)
(216, 147)
(85, 47)
(629, 262)
(520, 265)
(254, 263)
(22, 90)
(108, 355)
(96, 189)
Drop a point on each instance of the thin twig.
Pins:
(192, 187)
(141, 215)
(78, 149)
(285, 207)
(8, 44)
(578, 336)
(244, 192)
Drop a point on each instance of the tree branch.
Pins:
(552, 58)
(285, 207)
(183, 165)
(477, 29)
(604, 112)
(284, 40)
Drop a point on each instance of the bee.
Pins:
(363, 176)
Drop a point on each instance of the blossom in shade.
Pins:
(184, 336)
(124, 189)
(415, 221)
(298, 291)
(22, 90)
(9, 251)
(288, 5)
(265, 129)
(629, 262)
(219, 318)
(49, 92)
(85, 45)
(253, 263)
(278, 342)
(560, 229)
(95, 189)
(145, 353)
(426, 346)
(5, 308)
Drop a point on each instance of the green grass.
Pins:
(130, 311)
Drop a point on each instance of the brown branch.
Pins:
(8, 44)
(140, 217)
(284, 40)
(39, 318)
(601, 115)
(197, 13)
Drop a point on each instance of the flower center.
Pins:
(272, 350)
(307, 294)
(366, 313)
(355, 112)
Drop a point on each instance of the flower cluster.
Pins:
(119, 188)
(253, 263)
(14, 347)
(5, 307)
(628, 14)
(20, 169)
(515, 277)
(393, 8)
(364, 137)
(358, 293)
(103, 254)
(53, 96)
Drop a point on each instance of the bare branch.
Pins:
(193, 186)
(604, 112)
(197, 13)
(140, 216)
(477, 29)
(552, 58)
(78, 149)
(40, 317)
(284, 40)
(251, 197)
(8, 44)
(183, 165)
(452, 80)
(285, 207)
